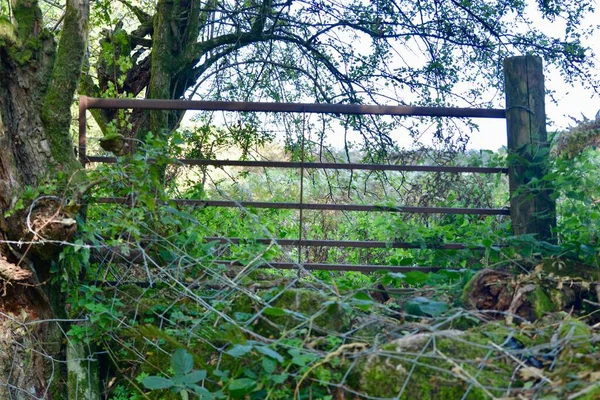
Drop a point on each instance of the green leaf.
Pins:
(202, 392)
(396, 275)
(194, 377)
(269, 353)
(279, 379)
(435, 308)
(362, 296)
(274, 311)
(420, 306)
(301, 359)
(239, 350)
(157, 382)
(415, 277)
(406, 261)
(182, 362)
(269, 365)
(240, 316)
(450, 273)
(240, 387)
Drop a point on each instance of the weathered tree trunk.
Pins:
(37, 85)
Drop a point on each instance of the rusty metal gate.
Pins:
(86, 103)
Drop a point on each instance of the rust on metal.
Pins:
(348, 109)
(316, 206)
(82, 129)
(318, 165)
(371, 244)
(335, 267)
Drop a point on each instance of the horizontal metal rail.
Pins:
(371, 244)
(321, 108)
(313, 206)
(319, 165)
(336, 267)
(86, 103)
(98, 255)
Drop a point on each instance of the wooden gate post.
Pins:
(532, 209)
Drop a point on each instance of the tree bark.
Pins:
(37, 85)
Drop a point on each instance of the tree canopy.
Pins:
(383, 52)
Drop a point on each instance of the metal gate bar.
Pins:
(321, 165)
(86, 103)
(336, 267)
(363, 244)
(349, 109)
(313, 206)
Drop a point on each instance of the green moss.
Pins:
(28, 16)
(465, 299)
(429, 374)
(593, 394)
(82, 378)
(56, 111)
(8, 36)
(541, 302)
(21, 56)
(304, 304)
(423, 360)
(115, 143)
(33, 44)
(577, 333)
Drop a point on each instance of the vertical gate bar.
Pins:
(82, 130)
(300, 228)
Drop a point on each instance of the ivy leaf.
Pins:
(157, 382)
(182, 362)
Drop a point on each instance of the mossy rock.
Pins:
(418, 367)
(529, 296)
(295, 307)
(481, 362)
(305, 304)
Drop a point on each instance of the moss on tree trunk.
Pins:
(37, 84)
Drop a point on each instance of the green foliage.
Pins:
(577, 186)
(419, 306)
(184, 379)
(261, 334)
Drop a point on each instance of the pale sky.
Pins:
(572, 101)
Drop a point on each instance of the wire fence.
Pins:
(261, 321)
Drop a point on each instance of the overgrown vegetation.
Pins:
(147, 298)
(157, 293)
